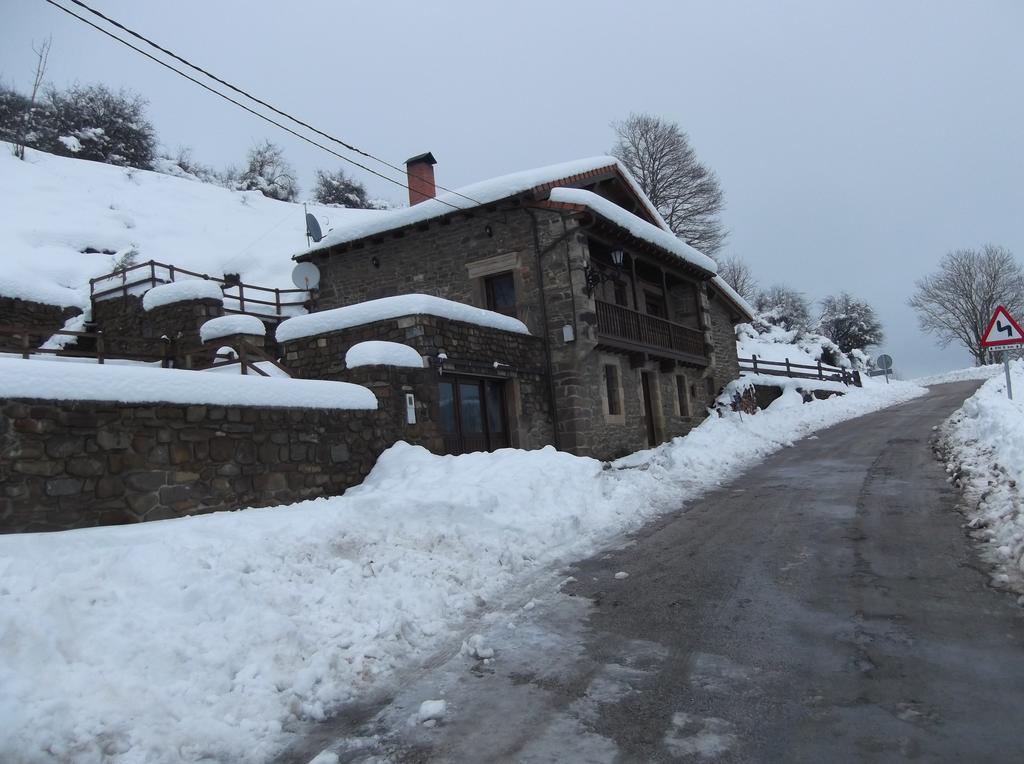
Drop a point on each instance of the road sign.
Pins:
(1002, 330)
(884, 361)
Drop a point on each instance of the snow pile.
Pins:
(232, 625)
(961, 375)
(636, 226)
(475, 194)
(226, 326)
(378, 353)
(747, 381)
(21, 378)
(56, 210)
(393, 307)
(181, 291)
(984, 445)
(773, 343)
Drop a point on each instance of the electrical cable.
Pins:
(240, 105)
(250, 96)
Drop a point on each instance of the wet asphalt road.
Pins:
(826, 606)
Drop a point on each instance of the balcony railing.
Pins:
(633, 330)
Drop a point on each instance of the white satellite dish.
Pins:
(306, 276)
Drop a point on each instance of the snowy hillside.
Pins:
(54, 208)
(773, 343)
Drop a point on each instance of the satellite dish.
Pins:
(306, 276)
(313, 227)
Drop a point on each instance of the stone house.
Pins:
(633, 332)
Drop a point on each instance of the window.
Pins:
(471, 412)
(655, 305)
(500, 293)
(621, 297)
(709, 387)
(611, 383)
(684, 403)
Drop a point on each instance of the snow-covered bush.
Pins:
(268, 172)
(339, 190)
(849, 322)
(765, 338)
(94, 122)
(784, 307)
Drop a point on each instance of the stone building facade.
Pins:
(636, 342)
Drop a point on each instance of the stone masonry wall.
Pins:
(42, 319)
(80, 464)
(179, 321)
(471, 350)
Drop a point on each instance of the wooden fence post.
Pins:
(789, 371)
(821, 374)
(241, 299)
(99, 346)
(25, 345)
(754, 359)
(243, 356)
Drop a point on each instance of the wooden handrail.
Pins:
(646, 330)
(820, 371)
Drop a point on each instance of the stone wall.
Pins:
(470, 349)
(124, 317)
(42, 319)
(80, 464)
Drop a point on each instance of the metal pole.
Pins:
(1006, 368)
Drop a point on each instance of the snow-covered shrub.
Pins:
(268, 172)
(784, 307)
(849, 322)
(768, 340)
(94, 122)
(339, 190)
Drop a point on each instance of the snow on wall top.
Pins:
(380, 353)
(134, 384)
(636, 226)
(393, 307)
(56, 207)
(483, 192)
(180, 291)
(225, 326)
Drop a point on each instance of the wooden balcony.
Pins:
(630, 331)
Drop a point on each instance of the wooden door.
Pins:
(645, 383)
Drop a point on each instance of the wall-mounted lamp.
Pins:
(593, 278)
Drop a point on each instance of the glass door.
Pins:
(471, 414)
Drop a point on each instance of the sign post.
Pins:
(1003, 332)
(884, 362)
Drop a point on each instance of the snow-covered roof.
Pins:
(180, 291)
(225, 326)
(393, 307)
(133, 384)
(735, 297)
(380, 353)
(623, 218)
(476, 194)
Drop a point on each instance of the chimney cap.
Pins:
(427, 158)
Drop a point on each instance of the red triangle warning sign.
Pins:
(1002, 330)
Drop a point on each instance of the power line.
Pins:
(236, 103)
(250, 96)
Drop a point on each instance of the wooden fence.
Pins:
(101, 347)
(247, 298)
(787, 368)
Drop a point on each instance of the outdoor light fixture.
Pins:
(593, 278)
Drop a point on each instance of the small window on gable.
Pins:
(681, 398)
(611, 382)
(500, 293)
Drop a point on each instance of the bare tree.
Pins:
(956, 302)
(686, 193)
(42, 56)
(738, 275)
(849, 322)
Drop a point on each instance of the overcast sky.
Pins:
(856, 142)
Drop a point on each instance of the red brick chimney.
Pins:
(420, 170)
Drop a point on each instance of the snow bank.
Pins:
(984, 443)
(225, 326)
(181, 291)
(21, 378)
(483, 192)
(203, 638)
(636, 226)
(961, 375)
(786, 383)
(773, 343)
(393, 307)
(55, 208)
(376, 352)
